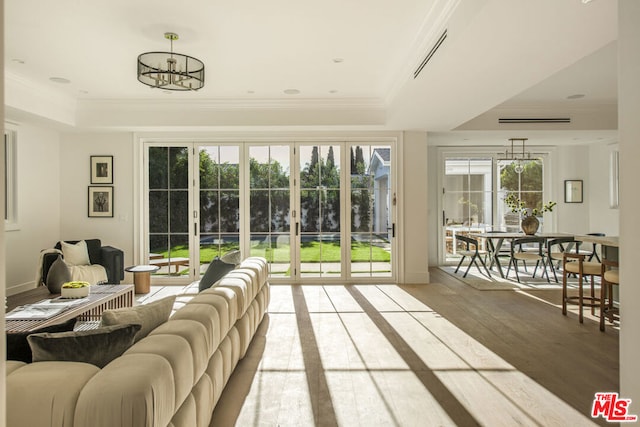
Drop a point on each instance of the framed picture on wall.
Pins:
(101, 202)
(573, 191)
(101, 169)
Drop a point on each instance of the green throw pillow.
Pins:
(216, 271)
(96, 346)
(149, 316)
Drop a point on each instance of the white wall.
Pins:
(434, 214)
(590, 163)
(75, 152)
(415, 226)
(629, 125)
(38, 200)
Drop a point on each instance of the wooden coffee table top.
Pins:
(101, 297)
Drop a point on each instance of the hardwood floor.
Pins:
(436, 354)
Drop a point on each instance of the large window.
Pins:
(473, 192)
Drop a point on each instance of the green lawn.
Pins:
(309, 252)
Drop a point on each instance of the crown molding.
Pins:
(25, 95)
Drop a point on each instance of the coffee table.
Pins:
(101, 297)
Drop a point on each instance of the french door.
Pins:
(313, 210)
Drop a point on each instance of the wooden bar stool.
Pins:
(610, 277)
(576, 264)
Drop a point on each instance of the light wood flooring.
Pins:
(438, 354)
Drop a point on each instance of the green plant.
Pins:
(518, 206)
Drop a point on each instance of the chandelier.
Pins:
(169, 70)
(518, 158)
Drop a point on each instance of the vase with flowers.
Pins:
(530, 222)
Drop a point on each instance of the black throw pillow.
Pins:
(216, 271)
(18, 346)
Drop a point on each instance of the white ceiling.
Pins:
(500, 57)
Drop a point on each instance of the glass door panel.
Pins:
(270, 206)
(525, 180)
(320, 221)
(467, 201)
(168, 217)
(219, 201)
(371, 221)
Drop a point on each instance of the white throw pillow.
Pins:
(75, 254)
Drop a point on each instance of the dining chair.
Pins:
(555, 252)
(524, 249)
(474, 253)
(576, 263)
(610, 277)
(591, 251)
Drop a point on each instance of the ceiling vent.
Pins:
(536, 120)
(430, 54)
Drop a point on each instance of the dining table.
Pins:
(495, 240)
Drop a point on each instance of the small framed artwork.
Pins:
(102, 169)
(101, 202)
(573, 191)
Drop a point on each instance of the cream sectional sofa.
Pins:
(172, 377)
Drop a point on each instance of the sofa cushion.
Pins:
(134, 390)
(216, 271)
(148, 316)
(45, 393)
(177, 351)
(96, 346)
(18, 347)
(75, 254)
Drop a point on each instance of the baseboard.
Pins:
(16, 289)
(416, 278)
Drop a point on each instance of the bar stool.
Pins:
(582, 268)
(610, 277)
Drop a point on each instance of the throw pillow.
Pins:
(149, 316)
(58, 274)
(216, 271)
(75, 254)
(232, 257)
(18, 347)
(96, 346)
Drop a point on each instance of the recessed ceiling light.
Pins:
(167, 92)
(338, 60)
(17, 61)
(291, 91)
(251, 91)
(333, 91)
(83, 92)
(60, 80)
(586, 1)
(576, 96)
